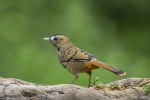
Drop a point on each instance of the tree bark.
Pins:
(125, 89)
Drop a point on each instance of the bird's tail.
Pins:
(110, 68)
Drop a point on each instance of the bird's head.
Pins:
(57, 40)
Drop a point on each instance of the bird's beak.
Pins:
(47, 38)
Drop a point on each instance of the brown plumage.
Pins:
(76, 60)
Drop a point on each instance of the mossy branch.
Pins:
(125, 89)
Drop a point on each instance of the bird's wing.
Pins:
(81, 55)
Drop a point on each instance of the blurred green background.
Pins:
(115, 32)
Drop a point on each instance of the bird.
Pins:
(78, 61)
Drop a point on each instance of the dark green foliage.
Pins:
(95, 81)
(97, 84)
(146, 88)
(115, 32)
(115, 86)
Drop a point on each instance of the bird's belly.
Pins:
(74, 67)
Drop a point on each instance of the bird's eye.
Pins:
(55, 38)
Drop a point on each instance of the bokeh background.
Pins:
(116, 32)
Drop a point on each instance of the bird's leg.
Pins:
(76, 77)
(90, 73)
